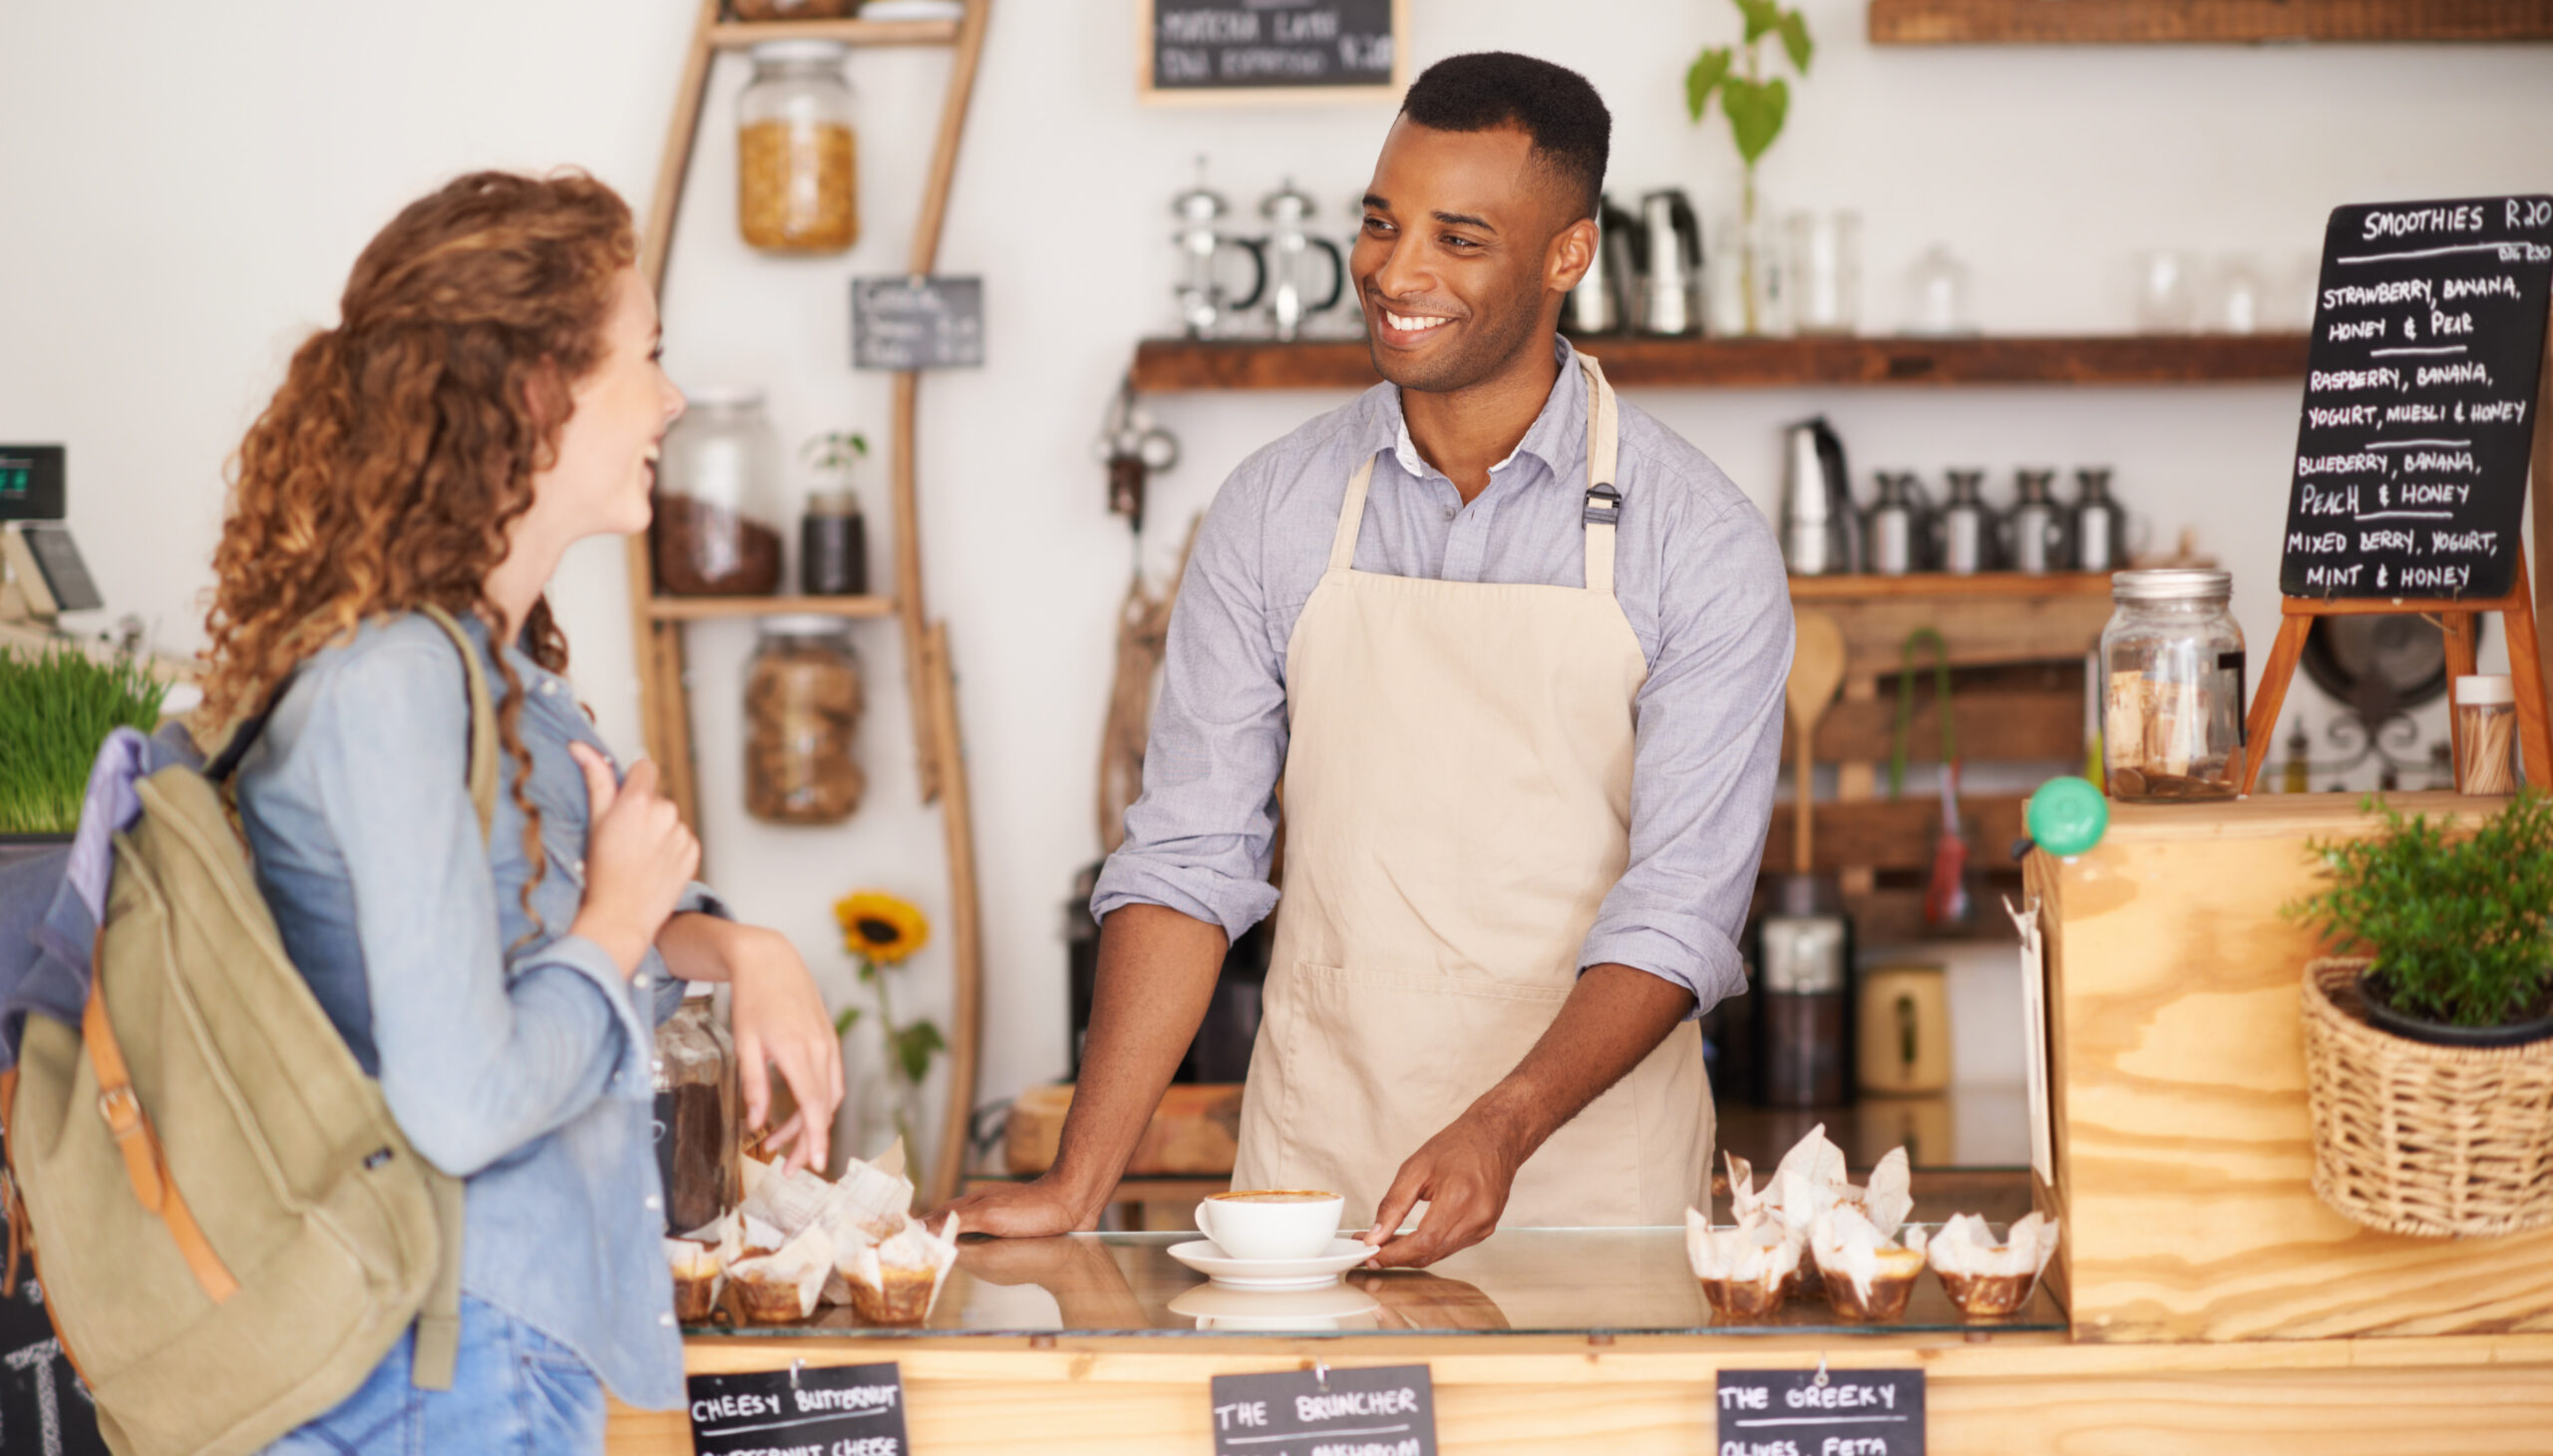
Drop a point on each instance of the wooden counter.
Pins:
(2215, 1305)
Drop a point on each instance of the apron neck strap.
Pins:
(1603, 498)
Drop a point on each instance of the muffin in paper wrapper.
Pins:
(1868, 1276)
(1746, 1269)
(896, 1279)
(1984, 1279)
(699, 1263)
(781, 1286)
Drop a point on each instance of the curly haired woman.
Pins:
(489, 396)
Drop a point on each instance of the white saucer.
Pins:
(1203, 1255)
(1213, 1306)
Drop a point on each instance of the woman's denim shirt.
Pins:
(513, 1054)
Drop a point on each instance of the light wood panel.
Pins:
(2184, 1149)
(1647, 1397)
(1171, 364)
(1898, 834)
(1990, 726)
(1196, 1130)
(2218, 22)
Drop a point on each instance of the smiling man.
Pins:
(1517, 652)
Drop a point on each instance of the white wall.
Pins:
(187, 185)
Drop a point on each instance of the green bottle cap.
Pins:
(2067, 816)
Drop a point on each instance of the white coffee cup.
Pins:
(1272, 1223)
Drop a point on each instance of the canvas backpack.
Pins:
(230, 1231)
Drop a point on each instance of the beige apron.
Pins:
(1457, 805)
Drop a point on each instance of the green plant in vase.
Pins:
(880, 932)
(1756, 102)
(56, 706)
(2456, 927)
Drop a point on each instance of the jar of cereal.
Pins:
(797, 166)
(802, 702)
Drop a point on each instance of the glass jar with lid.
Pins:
(699, 1116)
(718, 502)
(797, 159)
(802, 700)
(2172, 688)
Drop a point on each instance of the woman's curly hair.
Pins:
(386, 472)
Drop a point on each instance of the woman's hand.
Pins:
(779, 1019)
(638, 859)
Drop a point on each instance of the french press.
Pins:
(1289, 248)
(1206, 306)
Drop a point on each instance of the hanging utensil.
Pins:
(1817, 670)
(1946, 900)
(1132, 445)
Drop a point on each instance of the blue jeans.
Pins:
(513, 1390)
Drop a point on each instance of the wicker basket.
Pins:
(2431, 1141)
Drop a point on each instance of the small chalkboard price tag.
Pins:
(1381, 1410)
(2419, 400)
(1822, 1412)
(913, 322)
(836, 1410)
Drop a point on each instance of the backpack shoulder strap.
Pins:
(439, 1322)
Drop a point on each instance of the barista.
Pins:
(1518, 652)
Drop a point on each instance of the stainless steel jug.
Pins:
(1961, 531)
(1888, 532)
(1670, 288)
(2098, 529)
(1821, 532)
(1596, 305)
(2034, 528)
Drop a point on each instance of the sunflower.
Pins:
(878, 927)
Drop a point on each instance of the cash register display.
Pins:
(31, 482)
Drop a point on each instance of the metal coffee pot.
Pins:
(1670, 285)
(1891, 529)
(1597, 304)
(1821, 532)
(1962, 531)
(1290, 249)
(2098, 527)
(2034, 528)
(1207, 306)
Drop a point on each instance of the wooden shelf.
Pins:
(735, 35)
(1171, 364)
(1942, 584)
(707, 608)
(2203, 22)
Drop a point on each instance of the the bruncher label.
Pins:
(2420, 399)
(1377, 1410)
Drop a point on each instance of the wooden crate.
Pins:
(2184, 1152)
(1195, 1132)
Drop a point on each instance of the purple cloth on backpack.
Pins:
(51, 903)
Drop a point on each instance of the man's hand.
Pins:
(1463, 1174)
(1032, 1210)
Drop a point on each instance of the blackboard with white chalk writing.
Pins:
(2419, 400)
(910, 322)
(1194, 48)
(1820, 1413)
(807, 1410)
(1379, 1411)
(44, 1409)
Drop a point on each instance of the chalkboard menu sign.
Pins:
(836, 1410)
(44, 1409)
(1197, 50)
(2419, 400)
(1379, 1411)
(908, 322)
(1821, 1413)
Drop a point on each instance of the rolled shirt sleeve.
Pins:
(1706, 753)
(1200, 839)
(483, 1048)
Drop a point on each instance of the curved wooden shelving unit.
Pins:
(1170, 365)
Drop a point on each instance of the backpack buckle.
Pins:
(121, 1110)
(1604, 504)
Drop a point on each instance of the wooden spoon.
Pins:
(1817, 669)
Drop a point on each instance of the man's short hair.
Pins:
(1572, 131)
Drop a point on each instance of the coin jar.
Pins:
(2172, 688)
(797, 160)
(802, 700)
(718, 512)
(2485, 735)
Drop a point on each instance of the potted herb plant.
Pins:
(57, 704)
(2429, 1039)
